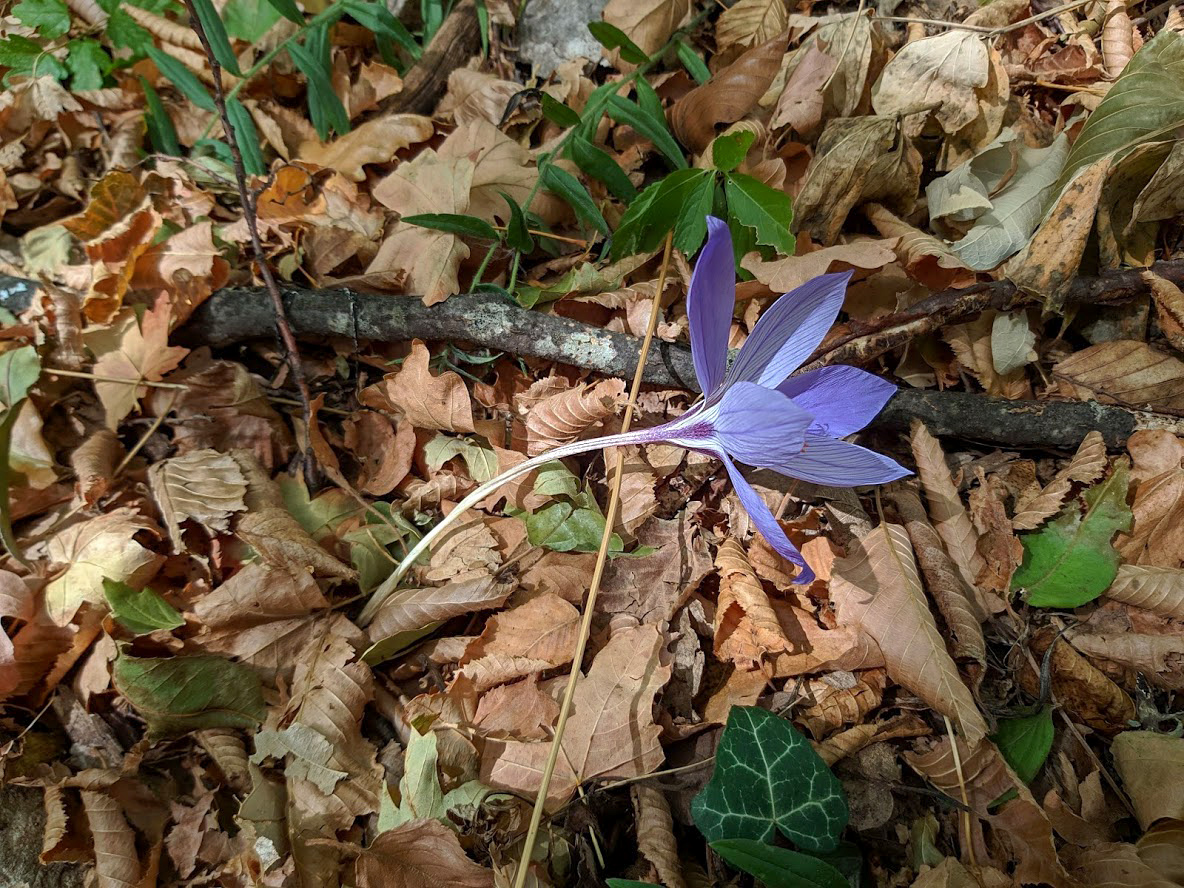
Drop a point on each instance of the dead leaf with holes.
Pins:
(203, 486)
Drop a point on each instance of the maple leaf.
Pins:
(133, 351)
(429, 258)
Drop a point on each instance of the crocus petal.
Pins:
(789, 331)
(826, 460)
(843, 399)
(759, 426)
(765, 522)
(711, 299)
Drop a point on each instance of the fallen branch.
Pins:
(237, 314)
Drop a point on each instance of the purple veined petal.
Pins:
(826, 460)
(758, 426)
(789, 331)
(842, 399)
(711, 298)
(765, 522)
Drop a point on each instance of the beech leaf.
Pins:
(203, 486)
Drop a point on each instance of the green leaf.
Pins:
(567, 186)
(288, 9)
(660, 208)
(611, 37)
(177, 695)
(629, 883)
(247, 137)
(88, 63)
(7, 421)
(556, 479)
(124, 32)
(376, 17)
(652, 128)
(160, 126)
(207, 16)
(768, 777)
(140, 612)
(517, 231)
(1026, 742)
(419, 788)
(728, 152)
(574, 526)
(251, 19)
(598, 164)
(481, 461)
(690, 59)
(1145, 102)
(765, 210)
(183, 79)
(1071, 560)
(326, 110)
(24, 57)
(454, 223)
(693, 207)
(779, 867)
(51, 18)
(19, 370)
(558, 113)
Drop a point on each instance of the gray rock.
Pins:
(553, 31)
(22, 822)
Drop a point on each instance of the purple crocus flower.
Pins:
(753, 412)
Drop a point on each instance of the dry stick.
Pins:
(247, 197)
(610, 517)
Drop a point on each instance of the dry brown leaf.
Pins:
(410, 609)
(562, 417)
(926, 259)
(1151, 766)
(103, 547)
(384, 449)
(730, 94)
(1169, 307)
(746, 627)
(1117, 39)
(638, 500)
(648, 23)
(419, 854)
(1049, 264)
(859, 159)
(1113, 864)
(133, 351)
(611, 731)
(530, 638)
(1086, 467)
(840, 699)
(519, 710)
(1158, 589)
(468, 551)
(117, 865)
(477, 95)
(955, 598)
(1080, 688)
(783, 275)
(204, 486)
(950, 519)
(998, 545)
(1157, 534)
(655, 833)
(1158, 658)
(226, 747)
(971, 343)
(499, 164)
(429, 402)
(1162, 849)
(877, 588)
(1126, 372)
(424, 261)
(375, 141)
(93, 462)
(750, 22)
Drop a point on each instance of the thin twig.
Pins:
(81, 374)
(610, 517)
(962, 787)
(248, 199)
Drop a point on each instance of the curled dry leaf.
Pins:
(950, 519)
(1080, 687)
(783, 275)
(926, 259)
(840, 699)
(1158, 658)
(1117, 39)
(202, 486)
(1169, 307)
(1151, 766)
(530, 638)
(411, 609)
(655, 833)
(611, 731)
(746, 627)
(384, 449)
(1157, 533)
(1126, 372)
(817, 649)
(117, 862)
(564, 416)
(877, 588)
(1158, 589)
(1086, 467)
(93, 462)
(226, 747)
(973, 346)
(699, 115)
(429, 402)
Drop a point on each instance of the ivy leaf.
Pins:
(765, 210)
(140, 612)
(768, 777)
(51, 18)
(779, 867)
(1026, 742)
(1071, 561)
(181, 694)
(88, 64)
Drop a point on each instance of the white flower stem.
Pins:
(383, 592)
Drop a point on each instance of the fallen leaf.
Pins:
(1159, 659)
(93, 462)
(926, 259)
(746, 628)
(528, 639)
(611, 732)
(655, 831)
(1158, 473)
(409, 610)
(949, 516)
(375, 141)
(1126, 372)
(420, 854)
(499, 165)
(519, 710)
(750, 22)
(1082, 689)
(383, 448)
(428, 402)
(1160, 848)
(564, 416)
(1086, 467)
(189, 264)
(648, 23)
(1150, 764)
(202, 486)
(1158, 589)
(1114, 863)
(783, 275)
(877, 588)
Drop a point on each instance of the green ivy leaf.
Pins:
(611, 37)
(1026, 742)
(728, 152)
(768, 777)
(454, 223)
(765, 210)
(181, 694)
(140, 612)
(1071, 560)
(51, 18)
(779, 867)
(88, 63)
